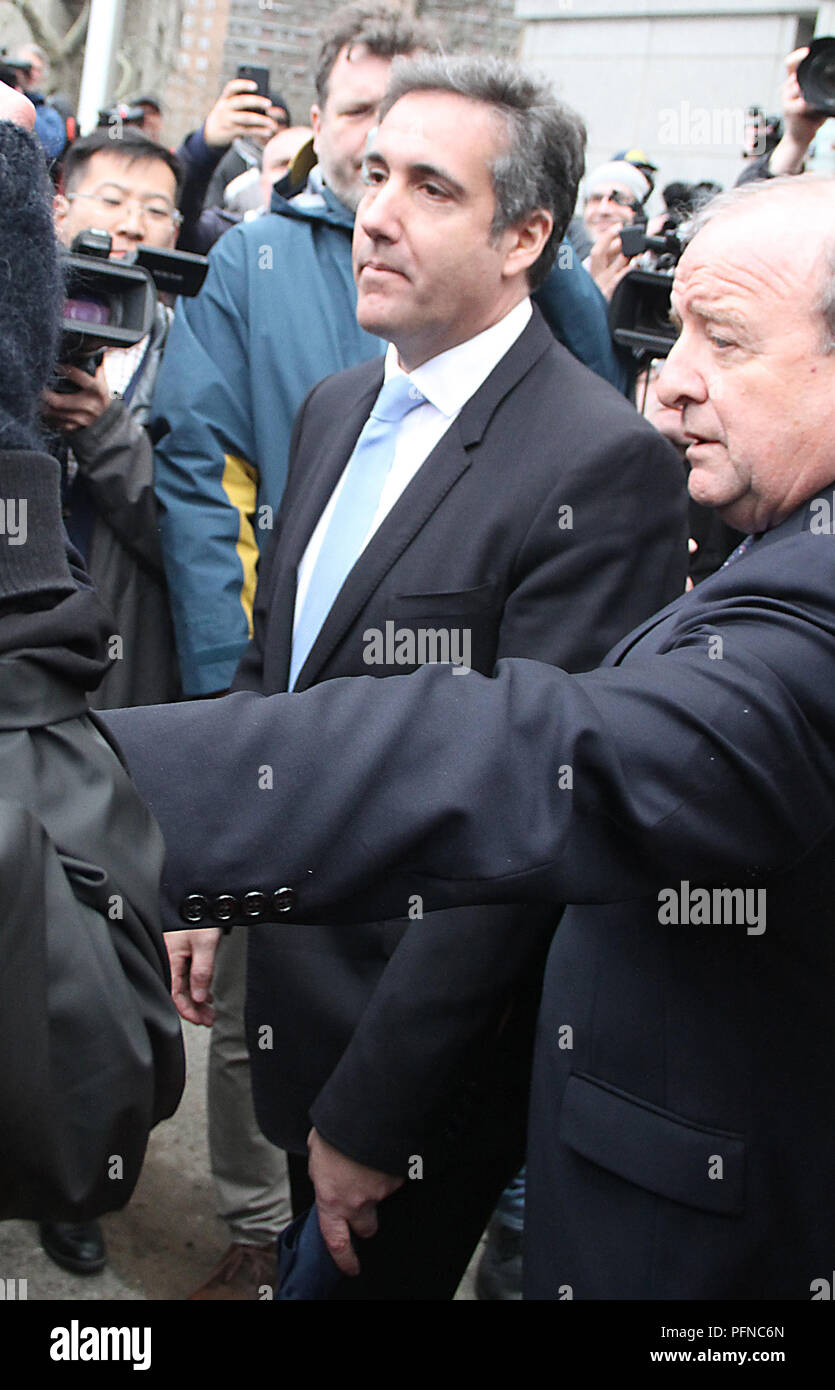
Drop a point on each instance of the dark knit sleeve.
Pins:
(33, 557)
(49, 613)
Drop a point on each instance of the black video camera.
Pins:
(816, 76)
(667, 247)
(639, 310)
(122, 115)
(111, 303)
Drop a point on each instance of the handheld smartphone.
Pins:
(261, 76)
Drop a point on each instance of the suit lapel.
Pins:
(406, 519)
(318, 484)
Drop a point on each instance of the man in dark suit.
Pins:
(527, 510)
(681, 1142)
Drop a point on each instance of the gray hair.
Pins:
(786, 186)
(543, 162)
(384, 31)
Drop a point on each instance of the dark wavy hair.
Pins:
(543, 161)
(384, 31)
(127, 142)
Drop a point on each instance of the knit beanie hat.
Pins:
(31, 287)
(619, 171)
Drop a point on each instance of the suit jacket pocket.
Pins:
(459, 625)
(654, 1148)
(445, 603)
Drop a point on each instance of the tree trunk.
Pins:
(148, 52)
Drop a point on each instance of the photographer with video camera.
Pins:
(615, 194)
(126, 188)
(89, 1040)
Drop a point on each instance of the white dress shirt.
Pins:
(121, 365)
(447, 381)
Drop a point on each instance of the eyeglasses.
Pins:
(612, 195)
(113, 199)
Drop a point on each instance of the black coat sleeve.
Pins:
(532, 785)
(116, 458)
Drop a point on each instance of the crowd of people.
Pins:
(392, 436)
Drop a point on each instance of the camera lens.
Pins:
(87, 311)
(816, 76)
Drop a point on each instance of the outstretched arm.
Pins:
(534, 785)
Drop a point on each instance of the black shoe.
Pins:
(499, 1273)
(77, 1247)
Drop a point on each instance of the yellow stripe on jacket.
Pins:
(240, 483)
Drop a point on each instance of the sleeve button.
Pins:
(254, 904)
(284, 899)
(224, 907)
(194, 907)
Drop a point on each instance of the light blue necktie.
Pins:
(354, 512)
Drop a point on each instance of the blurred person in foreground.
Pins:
(128, 188)
(92, 1055)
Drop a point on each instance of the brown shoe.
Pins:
(245, 1272)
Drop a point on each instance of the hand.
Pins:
(15, 107)
(607, 264)
(232, 115)
(191, 955)
(800, 125)
(347, 1194)
(79, 409)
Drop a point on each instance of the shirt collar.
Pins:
(450, 379)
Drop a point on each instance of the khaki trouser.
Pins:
(250, 1173)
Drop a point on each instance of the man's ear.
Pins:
(527, 242)
(316, 122)
(60, 209)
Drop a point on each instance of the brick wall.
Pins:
(281, 35)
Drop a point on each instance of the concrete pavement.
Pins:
(168, 1239)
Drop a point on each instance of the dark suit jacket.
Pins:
(547, 521)
(388, 1068)
(693, 761)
